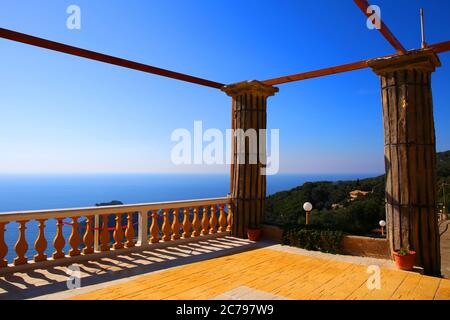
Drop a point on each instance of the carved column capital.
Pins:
(250, 87)
(422, 60)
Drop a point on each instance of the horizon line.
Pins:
(181, 173)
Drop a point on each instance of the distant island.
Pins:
(355, 206)
(111, 203)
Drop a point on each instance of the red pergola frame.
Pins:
(60, 47)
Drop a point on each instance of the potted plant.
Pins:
(405, 258)
(253, 233)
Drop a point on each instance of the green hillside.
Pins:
(359, 216)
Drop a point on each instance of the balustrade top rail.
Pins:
(116, 209)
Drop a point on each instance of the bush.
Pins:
(313, 238)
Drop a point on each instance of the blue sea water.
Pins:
(35, 192)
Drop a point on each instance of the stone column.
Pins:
(248, 182)
(410, 154)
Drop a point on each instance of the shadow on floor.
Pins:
(39, 282)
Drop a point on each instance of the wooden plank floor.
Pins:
(277, 273)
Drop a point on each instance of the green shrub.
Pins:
(313, 238)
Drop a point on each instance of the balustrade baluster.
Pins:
(196, 224)
(74, 239)
(230, 218)
(118, 233)
(104, 234)
(21, 246)
(129, 232)
(3, 246)
(175, 225)
(41, 243)
(222, 219)
(205, 221)
(154, 229)
(213, 220)
(88, 238)
(166, 229)
(186, 224)
(58, 241)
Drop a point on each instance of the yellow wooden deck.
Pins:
(280, 274)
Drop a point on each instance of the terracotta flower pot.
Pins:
(405, 262)
(253, 234)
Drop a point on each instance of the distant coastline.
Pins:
(52, 191)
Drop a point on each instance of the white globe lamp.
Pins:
(307, 206)
(382, 225)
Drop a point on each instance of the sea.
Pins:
(55, 191)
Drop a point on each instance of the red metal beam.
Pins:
(363, 5)
(318, 73)
(437, 47)
(60, 47)
(51, 45)
(440, 47)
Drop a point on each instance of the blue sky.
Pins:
(64, 114)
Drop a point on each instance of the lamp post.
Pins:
(307, 206)
(382, 225)
(444, 212)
